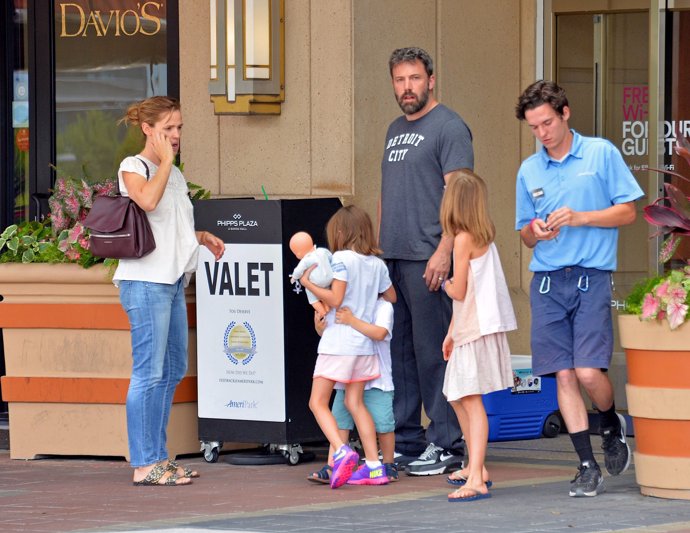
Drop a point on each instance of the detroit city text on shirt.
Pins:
(409, 139)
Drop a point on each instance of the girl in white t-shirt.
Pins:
(346, 355)
(475, 347)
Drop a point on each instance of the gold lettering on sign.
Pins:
(136, 20)
(146, 16)
(115, 22)
(91, 21)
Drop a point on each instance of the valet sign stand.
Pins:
(256, 343)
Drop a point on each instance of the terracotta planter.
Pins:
(658, 391)
(68, 361)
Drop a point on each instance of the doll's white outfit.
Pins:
(321, 276)
(480, 361)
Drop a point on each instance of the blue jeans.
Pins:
(158, 320)
(421, 323)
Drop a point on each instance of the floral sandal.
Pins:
(154, 477)
(173, 466)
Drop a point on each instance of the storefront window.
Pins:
(676, 120)
(108, 54)
(18, 190)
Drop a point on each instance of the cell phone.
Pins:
(546, 219)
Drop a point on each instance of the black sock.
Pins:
(583, 446)
(609, 418)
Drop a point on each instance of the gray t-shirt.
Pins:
(417, 155)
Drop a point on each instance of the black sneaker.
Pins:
(616, 449)
(588, 481)
(435, 460)
(401, 460)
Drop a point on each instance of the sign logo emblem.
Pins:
(239, 343)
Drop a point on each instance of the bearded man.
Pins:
(423, 146)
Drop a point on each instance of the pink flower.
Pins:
(85, 191)
(76, 232)
(676, 314)
(104, 189)
(60, 222)
(667, 300)
(72, 206)
(70, 203)
(662, 289)
(677, 293)
(72, 254)
(668, 248)
(650, 307)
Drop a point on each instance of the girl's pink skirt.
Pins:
(347, 368)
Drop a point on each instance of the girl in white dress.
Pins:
(475, 347)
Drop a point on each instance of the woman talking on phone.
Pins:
(152, 288)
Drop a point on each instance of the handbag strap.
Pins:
(148, 175)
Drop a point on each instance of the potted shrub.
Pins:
(66, 339)
(61, 237)
(656, 338)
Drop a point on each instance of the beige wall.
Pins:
(307, 150)
(329, 138)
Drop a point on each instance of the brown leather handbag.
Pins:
(118, 227)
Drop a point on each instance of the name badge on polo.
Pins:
(537, 193)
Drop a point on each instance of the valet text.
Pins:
(237, 279)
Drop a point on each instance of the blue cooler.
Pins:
(528, 410)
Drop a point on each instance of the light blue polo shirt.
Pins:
(592, 176)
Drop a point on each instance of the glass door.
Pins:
(601, 59)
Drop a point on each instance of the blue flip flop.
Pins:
(460, 482)
(475, 497)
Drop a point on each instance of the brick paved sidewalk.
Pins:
(530, 493)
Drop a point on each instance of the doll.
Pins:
(304, 249)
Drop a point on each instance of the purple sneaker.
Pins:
(344, 462)
(369, 476)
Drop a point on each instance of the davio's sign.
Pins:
(79, 20)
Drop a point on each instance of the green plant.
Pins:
(61, 237)
(29, 242)
(69, 204)
(666, 297)
(197, 192)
